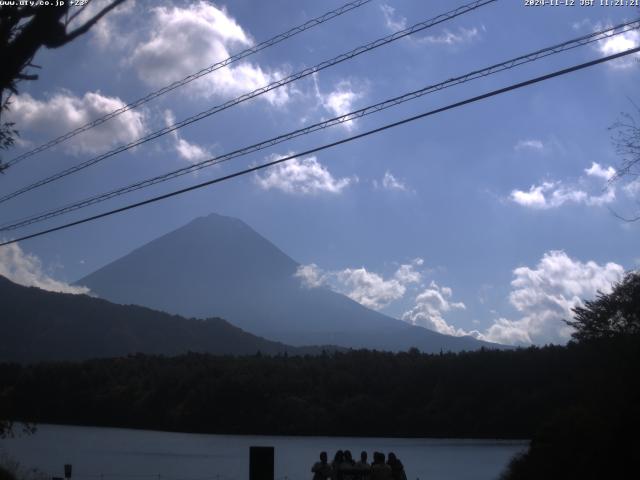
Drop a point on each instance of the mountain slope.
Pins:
(219, 266)
(36, 325)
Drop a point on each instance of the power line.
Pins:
(257, 92)
(496, 68)
(190, 78)
(256, 168)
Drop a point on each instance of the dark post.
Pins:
(261, 463)
(67, 471)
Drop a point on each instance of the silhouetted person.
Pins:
(348, 457)
(335, 465)
(347, 467)
(397, 469)
(321, 470)
(362, 467)
(379, 469)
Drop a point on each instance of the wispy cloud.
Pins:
(580, 24)
(391, 182)
(191, 152)
(617, 44)
(107, 33)
(632, 189)
(340, 100)
(392, 20)
(447, 37)
(530, 144)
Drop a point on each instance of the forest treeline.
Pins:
(482, 394)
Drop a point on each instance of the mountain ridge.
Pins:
(38, 325)
(220, 266)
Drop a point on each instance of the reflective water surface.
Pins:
(121, 454)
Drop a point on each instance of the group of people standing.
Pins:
(344, 467)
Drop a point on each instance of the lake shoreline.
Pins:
(497, 440)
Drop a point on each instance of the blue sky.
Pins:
(493, 219)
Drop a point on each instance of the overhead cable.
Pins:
(493, 69)
(194, 76)
(256, 168)
(255, 93)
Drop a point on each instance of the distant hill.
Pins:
(36, 325)
(219, 266)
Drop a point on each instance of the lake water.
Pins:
(120, 454)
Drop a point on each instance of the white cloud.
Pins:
(390, 182)
(530, 144)
(106, 33)
(430, 306)
(407, 272)
(26, 269)
(545, 295)
(554, 194)
(64, 112)
(182, 41)
(534, 198)
(190, 152)
(607, 197)
(507, 332)
(304, 176)
(596, 170)
(463, 35)
(340, 101)
(550, 195)
(617, 44)
(632, 189)
(370, 289)
(311, 276)
(367, 288)
(579, 25)
(393, 21)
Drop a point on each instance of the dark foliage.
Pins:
(596, 436)
(626, 139)
(581, 444)
(613, 314)
(24, 29)
(9, 430)
(6, 474)
(8, 133)
(491, 394)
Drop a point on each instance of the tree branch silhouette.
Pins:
(24, 30)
